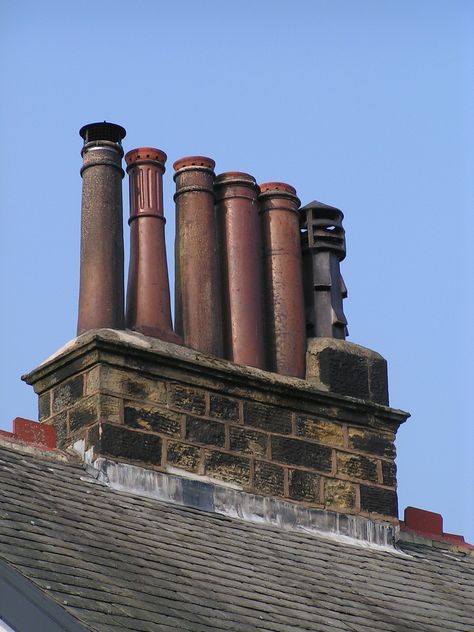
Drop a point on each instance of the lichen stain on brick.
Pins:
(227, 467)
(374, 443)
(184, 456)
(357, 466)
(269, 478)
(339, 494)
(322, 431)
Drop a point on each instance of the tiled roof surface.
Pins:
(121, 562)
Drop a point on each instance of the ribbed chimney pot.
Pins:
(148, 297)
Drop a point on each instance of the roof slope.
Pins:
(120, 562)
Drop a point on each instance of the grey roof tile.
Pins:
(121, 562)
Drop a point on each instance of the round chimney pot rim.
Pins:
(194, 161)
(102, 131)
(146, 154)
(233, 177)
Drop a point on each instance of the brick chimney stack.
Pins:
(307, 429)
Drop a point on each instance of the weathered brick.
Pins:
(265, 417)
(345, 373)
(93, 436)
(188, 399)
(67, 393)
(304, 486)
(389, 473)
(227, 467)
(248, 441)
(356, 466)
(340, 494)
(372, 442)
(153, 419)
(224, 408)
(378, 500)
(83, 414)
(118, 441)
(378, 379)
(44, 405)
(184, 456)
(59, 422)
(111, 409)
(126, 384)
(206, 432)
(299, 452)
(269, 478)
(321, 431)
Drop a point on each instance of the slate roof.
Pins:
(121, 562)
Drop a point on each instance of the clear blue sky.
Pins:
(365, 105)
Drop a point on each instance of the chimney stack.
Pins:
(101, 294)
(284, 305)
(197, 269)
(148, 296)
(324, 246)
(237, 208)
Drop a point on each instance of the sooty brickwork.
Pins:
(263, 436)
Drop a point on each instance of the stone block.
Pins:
(206, 432)
(299, 452)
(248, 441)
(111, 409)
(389, 473)
(371, 442)
(356, 466)
(187, 399)
(67, 393)
(269, 418)
(183, 456)
(269, 479)
(304, 485)
(118, 441)
(224, 408)
(44, 406)
(339, 494)
(127, 384)
(83, 414)
(378, 500)
(59, 422)
(153, 419)
(326, 432)
(227, 467)
(347, 369)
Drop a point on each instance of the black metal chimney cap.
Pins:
(102, 131)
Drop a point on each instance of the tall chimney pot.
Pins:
(237, 208)
(101, 293)
(198, 303)
(324, 246)
(284, 304)
(148, 296)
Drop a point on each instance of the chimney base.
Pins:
(164, 407)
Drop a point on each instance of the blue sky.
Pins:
(365, 105)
